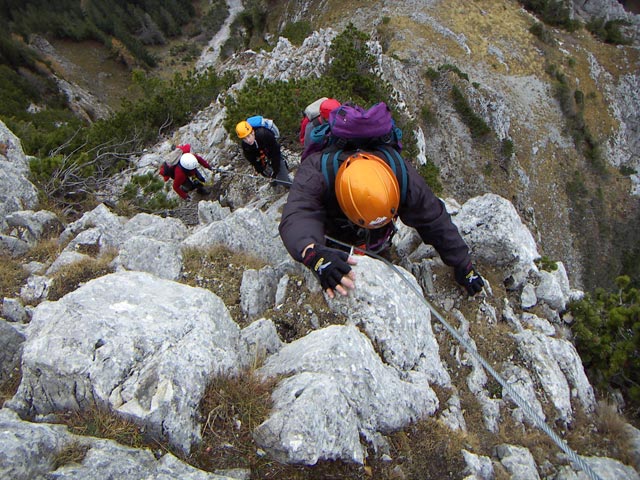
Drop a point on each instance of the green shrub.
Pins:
(296, 32)
(608, 30)
(146, 192)
(552, 12)
(431, 174)
(282, 101)
(572, 106)
(353, 68)
(215, 17)
(427, 115)
(544, 35)
(250, 24)
(93, 153)
(477, 126)
(187, 51)
(134, 24)
(545, 263)
(432, 74)
(576, 188)
(607, 336)
(506, 148)
(627, 170)
(447, 67)
(350, 77)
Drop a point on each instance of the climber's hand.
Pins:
(469, 278)
(332, 268)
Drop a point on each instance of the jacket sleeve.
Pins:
(203, 162)
(179, 179)
(425, 212)
(304, 214)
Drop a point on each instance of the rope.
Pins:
(257, 177)
(531, 413)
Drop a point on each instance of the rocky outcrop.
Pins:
(143, 346)
(16, 191)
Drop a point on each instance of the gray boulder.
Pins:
(142, 346)
(16, 191)
(31, 450)
(246, 229)
(337, 389)
(496, 235)
(394, 318)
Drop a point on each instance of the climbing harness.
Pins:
(533, 416)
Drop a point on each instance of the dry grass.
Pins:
(74, 275)
(104, 423)
(232, 408)
(12, 276)
(9, 386)
(73, 452)
(220, 270)
(430, 449)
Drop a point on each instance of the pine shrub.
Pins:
(607, 335)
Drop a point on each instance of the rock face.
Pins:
(145, 347)
(134, 343)
(16, 191)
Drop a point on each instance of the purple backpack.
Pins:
(353, 121)
(354, 127)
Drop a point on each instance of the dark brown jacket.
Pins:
(312, 210)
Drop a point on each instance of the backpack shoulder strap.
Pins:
(330, 162)
(399, 168)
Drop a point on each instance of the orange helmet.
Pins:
(367, 190)
(243, 129)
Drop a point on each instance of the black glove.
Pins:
(328, 264)
(267, 172)
(469, 278)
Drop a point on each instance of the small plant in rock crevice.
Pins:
(73, 452)
(545, 263)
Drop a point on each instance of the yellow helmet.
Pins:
(367, 190)
(243, 129)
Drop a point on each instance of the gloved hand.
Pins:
(267, 172)
(328, 264)
(469, 278)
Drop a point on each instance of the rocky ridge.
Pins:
(142, 344)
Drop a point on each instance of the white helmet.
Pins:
(188, 161)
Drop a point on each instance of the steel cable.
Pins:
(533, 416)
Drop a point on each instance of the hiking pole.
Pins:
(518, 400)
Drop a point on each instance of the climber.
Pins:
(261, 148)
(315, 114)
(185, 174)
(358, 204)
